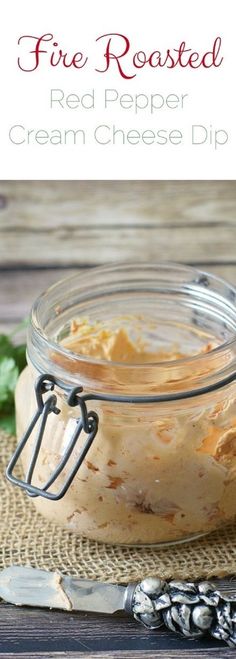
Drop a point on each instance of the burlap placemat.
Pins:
(27, 539)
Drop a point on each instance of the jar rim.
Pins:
(38, 338)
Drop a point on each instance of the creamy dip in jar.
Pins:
(154, 349)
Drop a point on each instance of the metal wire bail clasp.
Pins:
(87, 422)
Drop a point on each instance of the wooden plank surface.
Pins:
(124, 654)
(86, 223)
(39, 631)
(49, 230)
(51, 204)
(89, 246)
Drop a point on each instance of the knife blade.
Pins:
(27, 586)
(191, 609)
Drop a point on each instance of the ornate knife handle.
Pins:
(189, 609)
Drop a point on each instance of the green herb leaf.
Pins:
(9, 373)
(7, 423)
(12, 362)
(6, 346)
(20, 356)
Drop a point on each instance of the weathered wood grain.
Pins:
(73, 223)
(55, 632)
(19, 289)
(211, 653)
(124, 654)
(52, 204)
(76, 246)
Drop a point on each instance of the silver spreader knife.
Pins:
(191, 609)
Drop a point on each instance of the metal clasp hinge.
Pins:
(87, 422)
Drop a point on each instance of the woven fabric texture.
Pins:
(27, 539)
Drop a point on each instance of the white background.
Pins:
(150, 25)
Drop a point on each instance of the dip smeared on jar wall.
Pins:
(156, 472)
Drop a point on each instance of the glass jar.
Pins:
(159, 464)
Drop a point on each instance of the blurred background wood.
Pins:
(49, 229)
(52, 229)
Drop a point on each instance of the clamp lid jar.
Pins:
(136, 444)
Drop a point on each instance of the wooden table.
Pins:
(49, 230)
